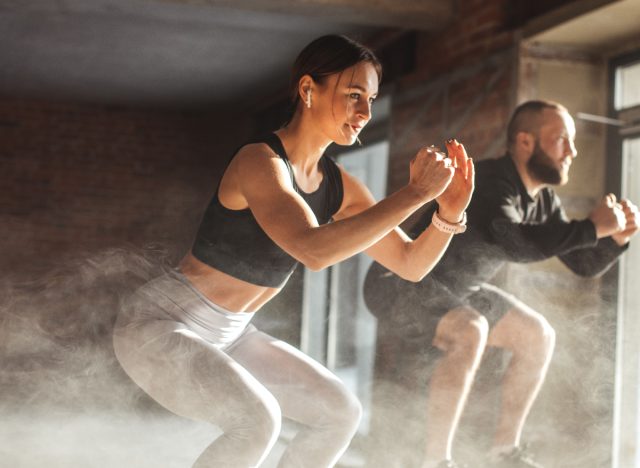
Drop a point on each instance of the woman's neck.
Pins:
(303, 143)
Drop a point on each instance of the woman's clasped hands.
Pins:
(447, 179)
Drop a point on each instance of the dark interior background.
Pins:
(116, 121)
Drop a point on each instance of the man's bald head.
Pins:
(528, 117)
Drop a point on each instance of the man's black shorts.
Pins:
(412, 310)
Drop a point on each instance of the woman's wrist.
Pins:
(415, 194)
(447, 227)
(450, 216)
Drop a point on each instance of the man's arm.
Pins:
(597, 260)
(523, 239)
(593, 261)
(585, 246)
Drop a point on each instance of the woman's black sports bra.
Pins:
(233, 242)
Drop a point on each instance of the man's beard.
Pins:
(542, 167)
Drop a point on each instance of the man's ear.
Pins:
(525, 142)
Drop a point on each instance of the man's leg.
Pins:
(461, 335)
(405, 360)
(531, 340)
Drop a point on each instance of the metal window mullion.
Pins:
(333, 317)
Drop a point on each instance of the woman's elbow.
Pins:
(411, 275)
(408, 270)
(314, 266)
(416, 278)
(314, 263)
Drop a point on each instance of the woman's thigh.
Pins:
(187, 375)
(306, 390)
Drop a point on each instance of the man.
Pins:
(514, 216)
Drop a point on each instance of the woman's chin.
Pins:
(346, 140)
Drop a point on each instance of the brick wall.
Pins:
(77, 181)
(463, 87)
(464, 84)
(85, 178)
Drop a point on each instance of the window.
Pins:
(627, 86)
(624, 151)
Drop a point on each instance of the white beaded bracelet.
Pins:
(442, 225)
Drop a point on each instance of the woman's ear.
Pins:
(305, 86)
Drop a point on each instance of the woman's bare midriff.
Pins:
(226, 291)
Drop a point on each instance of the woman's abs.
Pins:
(223, 289)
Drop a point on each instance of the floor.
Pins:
(61, 439)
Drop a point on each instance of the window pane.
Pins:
(628, 86)
(627, 406)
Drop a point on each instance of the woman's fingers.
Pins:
(464, 159)
(452, 150)
(459, 157)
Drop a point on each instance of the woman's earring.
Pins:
(309, 100)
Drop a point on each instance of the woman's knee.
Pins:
(259, 420)
(268, 419)
(343, 409)
(351, 410)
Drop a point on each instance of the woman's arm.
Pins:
(413, 259)
(258, 178)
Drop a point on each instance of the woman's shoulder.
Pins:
(255, 153)
(258, 163)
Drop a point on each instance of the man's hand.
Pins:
(455, 199)
(608, 217)
(631, 226)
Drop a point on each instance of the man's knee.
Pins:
(462, 328)
(543, 334)
(528, 332)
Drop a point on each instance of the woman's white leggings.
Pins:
(244, 387)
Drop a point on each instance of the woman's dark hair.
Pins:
(328, 55)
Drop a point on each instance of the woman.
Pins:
(185, 337)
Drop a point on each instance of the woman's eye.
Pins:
(355, 96)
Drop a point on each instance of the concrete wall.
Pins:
(580, 83)
(578, 395)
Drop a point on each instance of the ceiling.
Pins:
(604, 29)
(180, 53)
(208, 53)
